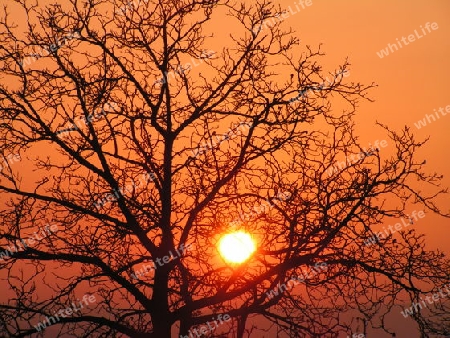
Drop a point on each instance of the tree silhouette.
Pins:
(140, 145)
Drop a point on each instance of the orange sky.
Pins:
(411, 81)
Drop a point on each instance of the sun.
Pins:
(236, 247)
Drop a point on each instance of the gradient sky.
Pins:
(411, 81)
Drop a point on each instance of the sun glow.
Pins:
(236, 247)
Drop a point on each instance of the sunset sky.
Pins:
(412, 81)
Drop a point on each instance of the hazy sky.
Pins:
(412, 81)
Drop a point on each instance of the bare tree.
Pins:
(144, 145)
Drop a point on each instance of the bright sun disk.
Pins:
(236, 247)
